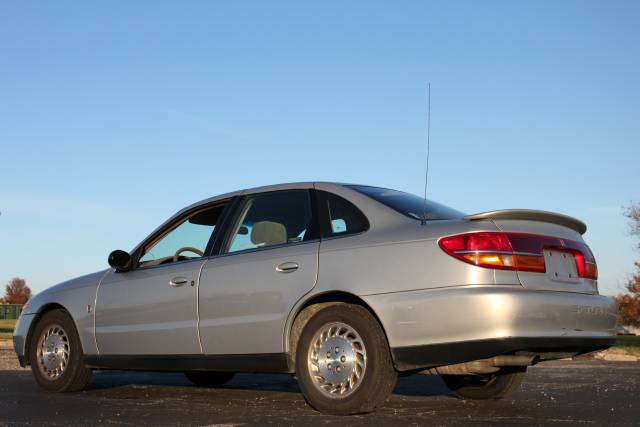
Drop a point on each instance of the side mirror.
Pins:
(120, 260)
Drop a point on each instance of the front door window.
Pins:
(188, 239)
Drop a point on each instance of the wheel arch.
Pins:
(307, 308)
(41, 312)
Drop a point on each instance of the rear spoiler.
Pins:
(532, 215)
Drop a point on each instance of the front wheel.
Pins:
(492, 386)
(343, 363)
(55, 354)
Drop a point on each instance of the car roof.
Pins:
(376, 212)
(264, 189)
(253, 190)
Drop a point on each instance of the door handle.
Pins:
(176, 282)
(287, 267)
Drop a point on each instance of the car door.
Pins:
(152, 309)
(270, 260)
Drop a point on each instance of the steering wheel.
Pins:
(186, 249)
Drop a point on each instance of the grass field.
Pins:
(6, 329)
(630, 344)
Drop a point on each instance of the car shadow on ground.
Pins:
(414, 385)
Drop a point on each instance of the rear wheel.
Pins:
(55, 354)
(492, 386)
(343, 363)
(209, 379)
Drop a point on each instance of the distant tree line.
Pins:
(629, 303)
(16, 292)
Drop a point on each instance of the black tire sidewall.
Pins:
(379, 377)
(508, 380)
(75, 367)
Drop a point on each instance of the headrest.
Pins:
(266, 233)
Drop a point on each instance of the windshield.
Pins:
(408, 204)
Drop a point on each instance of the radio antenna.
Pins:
(423, 218)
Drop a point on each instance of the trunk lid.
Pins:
(561, 273)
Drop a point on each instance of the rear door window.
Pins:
(270, 219)
(339, 216)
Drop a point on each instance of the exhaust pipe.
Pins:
(483, 366)
(514, 360)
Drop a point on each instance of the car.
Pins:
(344, 286)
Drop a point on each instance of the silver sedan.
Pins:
(345, 286)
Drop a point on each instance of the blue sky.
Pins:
(115, 115)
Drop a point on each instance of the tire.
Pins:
(62, 369)
(209, 379)
(358, 346)
(483, 387)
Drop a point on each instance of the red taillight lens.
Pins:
(585, 262)
(516, 251)
(591, 271)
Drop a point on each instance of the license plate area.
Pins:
(560, 266)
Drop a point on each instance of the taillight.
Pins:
(516, 251)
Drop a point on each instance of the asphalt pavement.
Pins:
(584, 392)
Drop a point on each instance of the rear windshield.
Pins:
(408, 204)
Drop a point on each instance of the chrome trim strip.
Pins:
(264, 248)
(169, 264)
(498, 252)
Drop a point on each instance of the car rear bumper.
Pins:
(453, 325)
(426, 356)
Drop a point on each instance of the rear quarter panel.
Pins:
(402, 258)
